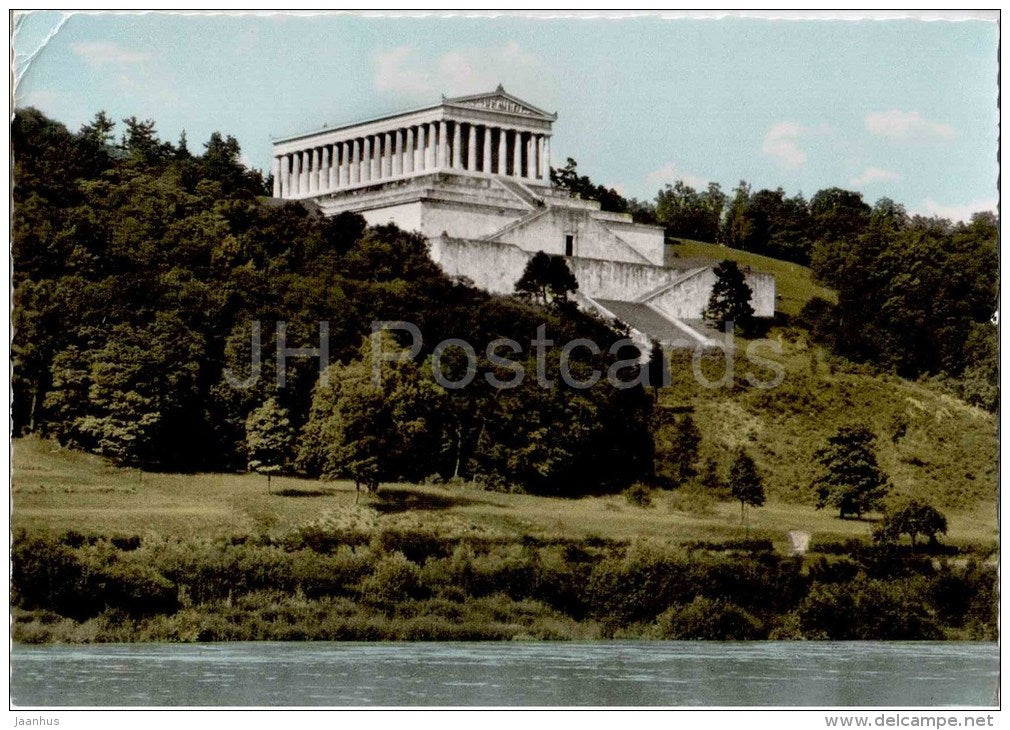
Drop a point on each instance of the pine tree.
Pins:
(676, 442)
(745, 483)
(547, 279)
(269, 439)
(710, 477)
(659, 368)
(850, 477)
(730, 298)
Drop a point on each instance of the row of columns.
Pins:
(413, 150)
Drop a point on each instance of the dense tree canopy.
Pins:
(152, 287)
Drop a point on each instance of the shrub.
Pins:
(837, 570)
(704, 618)
(125, 543)
(639, 586)
(46, 574)
(416, 545)
(394, 579)
(868, 609)
(639, 495)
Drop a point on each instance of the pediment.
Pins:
(501, 101)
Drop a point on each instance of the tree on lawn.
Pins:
(269, 439)
(659, 369)
(730, 298)
(547, 279)
(850, 478)
(675, 444)
(913, 518)
(745, 483)
(710, 477)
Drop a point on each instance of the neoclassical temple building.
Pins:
(472, 174)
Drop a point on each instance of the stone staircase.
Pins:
(652, 324)
(520, 191)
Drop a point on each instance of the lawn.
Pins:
(794, 284)
(57, 490)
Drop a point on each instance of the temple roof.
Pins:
(498, 100)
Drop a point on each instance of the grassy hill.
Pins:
(794, 284)
(931, 444)
(55, 490)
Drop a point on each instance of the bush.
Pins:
(639, 586)
(704, 618)
(124, 543)
(838, 570)
(749, 546)
(46, 574)
(638, 495)
(395, 579)
(868, 610)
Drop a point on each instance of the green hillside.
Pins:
(931, 444)
(794, 284)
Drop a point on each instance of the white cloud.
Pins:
(874, 174)
(896, 124)
(669, 173)
(44, 99)
(958, 212)
(403, 70)
(99, 53)
(781, 144)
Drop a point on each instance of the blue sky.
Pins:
(897, 108)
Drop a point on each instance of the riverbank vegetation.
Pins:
(105, 553)
(323, 584)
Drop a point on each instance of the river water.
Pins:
(616, 673)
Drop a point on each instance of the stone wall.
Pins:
(492, 266)
(619, 280)
(497, 266)
(469, 221)
(546, 232)
(689, 297)
(647, 240)
(406, 216)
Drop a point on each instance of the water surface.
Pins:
(667, 673)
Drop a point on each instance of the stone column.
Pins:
(386, 158)
(545, 159)
(486, 167)
(312, 163)
(296, 173)
(471, 148)
(354, 171)
(502, 152)
(517, 154)
(275, 170)
(457, 146)
(422, 148)
(343, 173)
(409, 154)
(376, 156)
(366, 159)
(431, 157)
(442, 157)
(398, 153)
